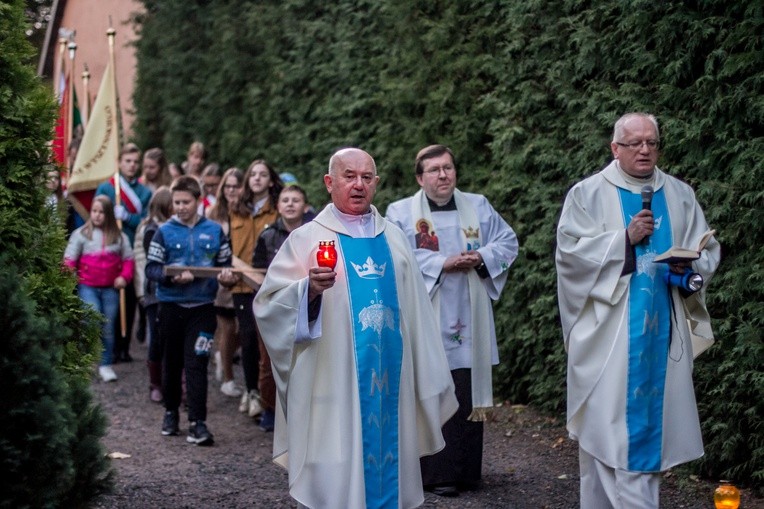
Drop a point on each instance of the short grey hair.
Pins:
(618, 129)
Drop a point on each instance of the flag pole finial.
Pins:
(86, 88)
(110, 33)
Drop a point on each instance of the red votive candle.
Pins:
(326, 256)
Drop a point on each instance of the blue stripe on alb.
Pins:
(649, 336)
(379, 352)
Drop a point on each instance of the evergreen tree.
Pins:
(49, 436)
(35, 435)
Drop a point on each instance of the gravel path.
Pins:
(528, 462)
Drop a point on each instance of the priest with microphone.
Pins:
(630, 333)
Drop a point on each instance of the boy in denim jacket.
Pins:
(186, 314)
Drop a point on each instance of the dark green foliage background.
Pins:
(50, 455)
(526, 94)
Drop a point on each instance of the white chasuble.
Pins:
(337, 402)
(599, 311)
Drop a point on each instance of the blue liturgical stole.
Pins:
(649, 336)
(378, 352)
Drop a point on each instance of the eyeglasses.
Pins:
(435, 170)
(637, 145)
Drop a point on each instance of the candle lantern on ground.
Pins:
(327, 254)
(726, 496)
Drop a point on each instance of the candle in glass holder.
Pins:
(726, 496)
(327, 254)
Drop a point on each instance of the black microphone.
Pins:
(647, 196)
(647, 201)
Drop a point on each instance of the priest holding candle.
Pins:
(363, 386)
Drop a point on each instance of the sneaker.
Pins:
(254, 408)
(229, 389)
(244, 402)
(268, 420)
(219, 369)
(170, 423)
(107, 373)
(198, 434)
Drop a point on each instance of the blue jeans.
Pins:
(106, 302)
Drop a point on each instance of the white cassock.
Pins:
(466, 324)
(319, 433)
(594, 300)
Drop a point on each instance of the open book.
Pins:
(683, 254)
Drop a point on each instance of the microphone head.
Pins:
(647, 197)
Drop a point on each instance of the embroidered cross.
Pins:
(456, 337)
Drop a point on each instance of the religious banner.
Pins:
(99, 151)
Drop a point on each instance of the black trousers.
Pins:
(250, 352)
(460, 461)
(186, 336)
(122, 343)
(155, 346)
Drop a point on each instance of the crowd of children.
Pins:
(164, 238)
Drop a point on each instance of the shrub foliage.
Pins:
(526, 94)
(50, 455)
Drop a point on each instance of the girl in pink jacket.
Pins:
(101, 256)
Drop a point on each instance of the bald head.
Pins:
(348, 154)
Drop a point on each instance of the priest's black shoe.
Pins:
(447, 490)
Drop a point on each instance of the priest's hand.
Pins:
(640, 226)
(472, 258)
(680, 267)
(319, 280)
(462, 262)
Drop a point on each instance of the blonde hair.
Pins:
(160, 206)
(198, 148)
(164, 178)
(218, 212)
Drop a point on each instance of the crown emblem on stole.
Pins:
(369, 269)
(471, 233)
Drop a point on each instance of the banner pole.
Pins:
(69, 127)
(110, 33)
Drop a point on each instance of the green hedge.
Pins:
(50, 455)
(526, 94)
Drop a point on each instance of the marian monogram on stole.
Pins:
(379, 353)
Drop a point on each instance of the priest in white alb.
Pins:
(363, 387)
(632, 326)
(464, 249)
